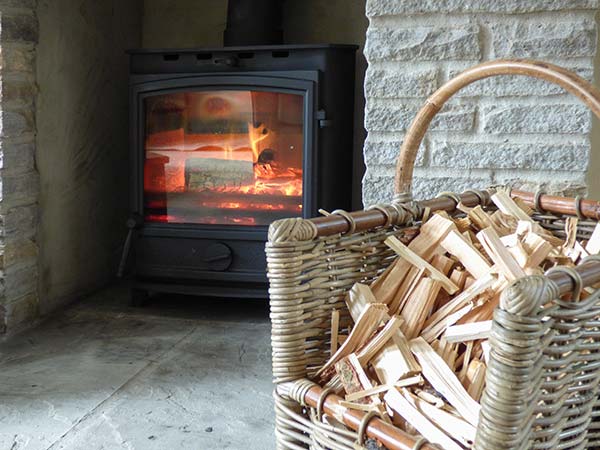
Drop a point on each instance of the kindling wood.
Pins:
(414, 259)
(314, 263)
(335, 325)
(395, 360)
(468, 331)
(474, 262)
(399, 403)
(383, 388)
(593, 245)
(500, 255)
(444, 381)
(449, 330)
(365, 325)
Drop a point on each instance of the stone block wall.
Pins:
(63, 150)
(19, 179)
(500, 130)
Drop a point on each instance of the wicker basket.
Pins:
(544, 370)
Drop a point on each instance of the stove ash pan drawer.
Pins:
(173, 257)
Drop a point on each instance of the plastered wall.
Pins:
(82, 141)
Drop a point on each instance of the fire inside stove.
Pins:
(223, 157)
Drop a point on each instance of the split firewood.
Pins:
(593, 245)
(419, 305)
(367, 352)
(568, 248)
(500, 255)
(444, 381)
(430, 397)
(425, 245)
(354, 378)
(583, 253)
(386, 285)
(335, 327)
(477, 289)
(521, 204)
(446, 350)
(480, 218)
(470, 258)
(400, 404)
(508, 206)
(364, 327)
(504, 222)
(395, 360)
(433, 331)
(406, 253)
(475, 379)
(519, 253)
(466, 359)
(463, 224)
(485, 347)
(469, 237)
(366, 407)
(538, 249)
(358, 298)
(407, 290)
(481, 312)
(459, 277)
(469, 281)
(468, 331)
(570, 232)
(420, 344)
(457, 428)
(350, 379)
(358, 395)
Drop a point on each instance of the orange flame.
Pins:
(274, 187)
(256, 135)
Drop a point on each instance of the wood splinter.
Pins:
(406, 253)
(468, 331)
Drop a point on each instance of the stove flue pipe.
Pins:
(253, 22)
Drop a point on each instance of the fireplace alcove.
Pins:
(223, 142)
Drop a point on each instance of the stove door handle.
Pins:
(135, 221)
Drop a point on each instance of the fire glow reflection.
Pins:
(223, 157)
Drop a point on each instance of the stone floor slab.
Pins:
(180, 373)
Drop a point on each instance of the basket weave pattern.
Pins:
(543, 374)
(544, 369)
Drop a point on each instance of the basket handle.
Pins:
(412, 140)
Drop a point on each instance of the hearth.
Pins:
(223, 142)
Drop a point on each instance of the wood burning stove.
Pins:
(223, 142)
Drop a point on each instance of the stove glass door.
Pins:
(228, 157)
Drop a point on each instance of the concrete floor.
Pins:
(180, 373)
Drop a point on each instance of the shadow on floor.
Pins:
(116, 299)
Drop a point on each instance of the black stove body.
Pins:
(223, 142)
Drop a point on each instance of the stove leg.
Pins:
(139, 297)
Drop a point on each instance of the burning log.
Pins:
(203, 174)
